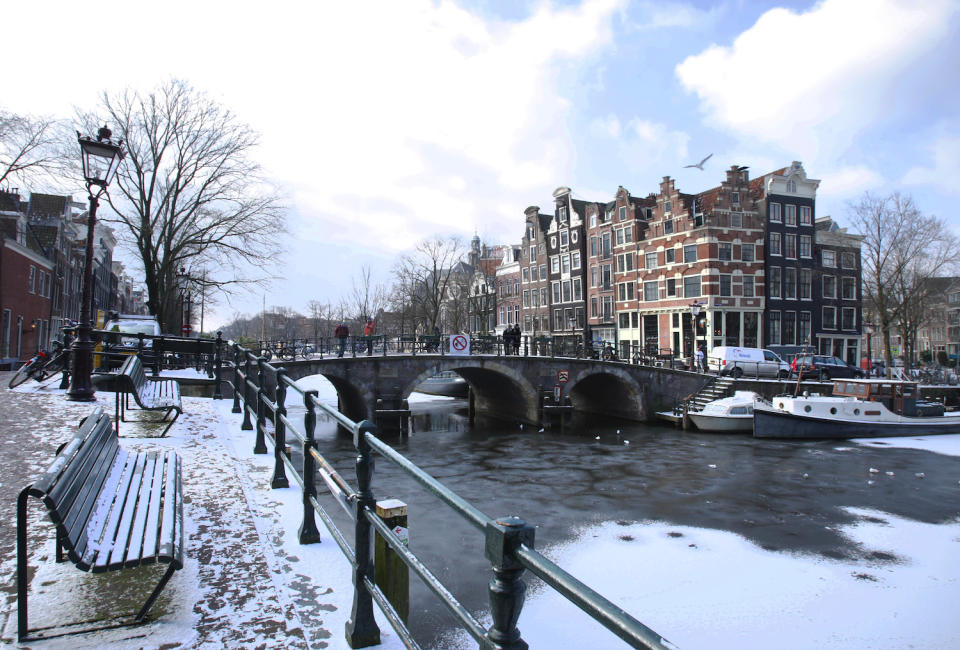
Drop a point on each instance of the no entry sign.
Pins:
(460, 345)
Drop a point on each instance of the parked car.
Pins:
(749, 362)
(126, 341)
(824, 368)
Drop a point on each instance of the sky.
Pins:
(389, 122)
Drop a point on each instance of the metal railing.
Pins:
(260, 392)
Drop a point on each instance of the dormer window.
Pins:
(735, 198)
(563, 214)
(623, 213)
(792, 186)
(666, 207)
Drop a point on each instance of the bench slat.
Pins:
(80, 496)
(129, 502)
(171, 529)
(61, 492)
(97, 538)
(149, 502)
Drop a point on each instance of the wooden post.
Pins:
(392, 575)
(685, 422)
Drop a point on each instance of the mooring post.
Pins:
(260, 446)
(308, 533)
(280, 479)
(361, 628)
(247, 425)
(393, 575)
(507, 591)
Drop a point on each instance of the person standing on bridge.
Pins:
(341, 332)
(516, 338)
(700, 366)
(368, 330)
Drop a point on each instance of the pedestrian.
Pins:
(507, 339)
(342, 332)
(368, 330)
(516, 338)
(700, 366)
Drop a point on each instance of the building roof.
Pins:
(47, 205)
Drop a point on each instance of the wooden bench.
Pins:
(150, 393)
(113, 509)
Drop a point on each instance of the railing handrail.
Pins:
(509, 542)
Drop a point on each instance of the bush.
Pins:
(926, 356)
(942, 358)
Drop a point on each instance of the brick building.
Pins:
(535, 284)
(565, 266)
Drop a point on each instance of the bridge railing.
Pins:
(260, 392)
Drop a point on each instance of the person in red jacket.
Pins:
(368, 334)
(342, 332)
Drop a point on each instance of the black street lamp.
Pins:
(694, 314)
(101, 158)
(183, 284)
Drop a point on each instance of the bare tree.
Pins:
(430, 274)
(31, 148)
(367, 298)
(189, 193)
(903, 250)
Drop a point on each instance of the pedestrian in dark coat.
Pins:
(516, 338)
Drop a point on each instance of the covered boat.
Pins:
(864, 408)
(734, 413)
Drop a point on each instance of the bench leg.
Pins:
(22, 626)
(162, 435)
(156, 592)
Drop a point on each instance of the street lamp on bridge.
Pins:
(101, 159)
(694, 315)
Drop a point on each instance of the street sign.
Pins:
(563, 376)
(556, 394)
(185, 329)
(460, 345)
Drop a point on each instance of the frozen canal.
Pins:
(712, 540)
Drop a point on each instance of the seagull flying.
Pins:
(699, 165)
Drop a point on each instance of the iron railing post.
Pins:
(361, 628)
(280, 434)
(246, 425)
(507, 591)
(236, 379)
(260, 446)
(308, 533)
(217, 366)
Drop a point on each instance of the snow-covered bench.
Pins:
(113, 509)
(150, 393)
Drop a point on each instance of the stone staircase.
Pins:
(716, 389)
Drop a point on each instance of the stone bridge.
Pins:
(509, 387)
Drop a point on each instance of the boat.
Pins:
(857, 408)
(445, 384)
(734, 413)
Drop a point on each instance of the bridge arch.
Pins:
(609, 390)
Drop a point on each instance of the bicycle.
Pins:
(42, 365)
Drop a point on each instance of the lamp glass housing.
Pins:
(101, 158)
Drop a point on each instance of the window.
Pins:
(804, 329)
(628, 234)
(565, 291)
(805, 246)
(605, 245)
(691, 286)
(774, 281)
(671, 287)
(666, 207)
(650, 291)
(543, 271)
(593, 276)
(725, 285)
(503, 315)
(533, 298)
(619, 233)
(606, 273)
(829, 318)
(525, 272)
(849, 288)
(623, 213)
(806, 215)
(32, 282)
(593, 247)
(748, 287)
(563, 214)
(556, 291)
(533, 274)
(725, 251)
(736, 220)
(650, 260)
(805, 284)
(593, 307)
(849, 318)
(829, 258)
(671, 255)
(532, 253)
(788, 328)
(792, 186)
(564, 235)
(558, 319)
(748, 252)
(848, 261)
(607, 302)
(625, 290)
(774, 243)
(577, 291)
(790, 283)
(543, 298)
(774, 328)
(628, 262)
(829, 286)
(575, 260)
(516, 287)
(735, 198)
(565, 264)
(775, 214)
(668, 227)
(526, 299)
(690, 254)
(593, 219)
(790, 215)
(790, 246)
(555, 264)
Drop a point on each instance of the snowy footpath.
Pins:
(249, 583)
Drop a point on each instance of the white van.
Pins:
(749, 362)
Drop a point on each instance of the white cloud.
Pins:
(608, 127)
(810, 82)
(653, 148)
(656, 16)
(945, 169)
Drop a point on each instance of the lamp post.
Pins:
(868, 328)
(101, 158)
(183, 284)
(694, 313)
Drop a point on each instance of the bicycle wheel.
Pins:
(22, 375)
(266, 354)
(56, 364)
(287, 354)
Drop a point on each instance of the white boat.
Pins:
(734, 413)
(858, 408)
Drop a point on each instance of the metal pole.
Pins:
(81, 386)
